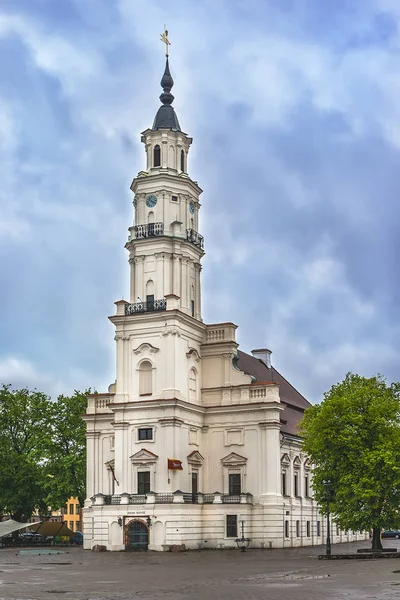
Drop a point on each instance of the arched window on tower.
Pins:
(145, 378)
(157, 156)
(171, 157)
(182, 160)
(192, 385)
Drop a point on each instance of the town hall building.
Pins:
(196, 443)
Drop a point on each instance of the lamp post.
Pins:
(242, 542)
(328, 497)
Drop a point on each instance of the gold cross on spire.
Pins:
(164, 38)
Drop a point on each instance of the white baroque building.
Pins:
(185, 396)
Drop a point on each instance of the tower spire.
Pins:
(166, 117)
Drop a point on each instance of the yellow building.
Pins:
(72, 514)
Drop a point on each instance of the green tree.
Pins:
(353, 439)
(24, 417)
(66, 450)
(42, 451)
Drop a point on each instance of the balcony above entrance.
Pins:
(177, 497)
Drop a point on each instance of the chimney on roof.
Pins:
(264, 355)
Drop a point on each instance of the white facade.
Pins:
(182, 393)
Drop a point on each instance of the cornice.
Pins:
(171, 179)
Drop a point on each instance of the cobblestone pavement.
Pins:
(293, 574)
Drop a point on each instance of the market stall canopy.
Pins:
(8, 527)
(51, 529)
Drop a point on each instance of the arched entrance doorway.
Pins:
(137, 536)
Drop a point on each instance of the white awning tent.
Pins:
(7, 527)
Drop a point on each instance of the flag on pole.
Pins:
(174, 464)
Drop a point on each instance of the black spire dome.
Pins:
(166, 117)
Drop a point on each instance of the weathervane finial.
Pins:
(165, 40)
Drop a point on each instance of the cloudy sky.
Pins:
(294, 110)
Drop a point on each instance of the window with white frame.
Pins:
(145, 433)
(231, 526)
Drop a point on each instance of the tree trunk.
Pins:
(376, 539)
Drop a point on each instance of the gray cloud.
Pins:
(296, 145)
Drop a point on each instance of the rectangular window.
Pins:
(65, 509)
(77, 509)
(231, 526)
(287, 529)
(145, 434)
(284, 490)
(71, 509)
(296, 484)
(192, 307)
(174, 198)
(78, 526)
(150, 300)
(306, 486)
(235, 487)
(297, 528)
(71, 525)
(143, 478)
(318, 528)
(337, 530)
(308, 529)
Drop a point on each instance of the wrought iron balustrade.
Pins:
(231, 498)
(164, 498)
(137, 498)
(208, 498)
(147, 230)
(147, 306)
(189, 498)
(168, 498)
(194, 237)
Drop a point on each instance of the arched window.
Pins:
(192, 384)
(182, 160)
(150, 217)
(157, 156)
(145, 378)
(171, 157)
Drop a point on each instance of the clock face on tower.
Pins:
(191, 208)
(151, 201)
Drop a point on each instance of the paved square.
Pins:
(294, 574)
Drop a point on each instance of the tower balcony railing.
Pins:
(146, 306)
(195, 238)
(145, 231)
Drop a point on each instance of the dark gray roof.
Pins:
(166, 117)
(295, 403)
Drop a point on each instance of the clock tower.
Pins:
(164, 245)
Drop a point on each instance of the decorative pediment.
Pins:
(192, 353)
(145, 348)
(110, 464)
(195, 458)
(307, 464)
(234, 460)
(144, 457)
(297, 462)
(285, 460)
